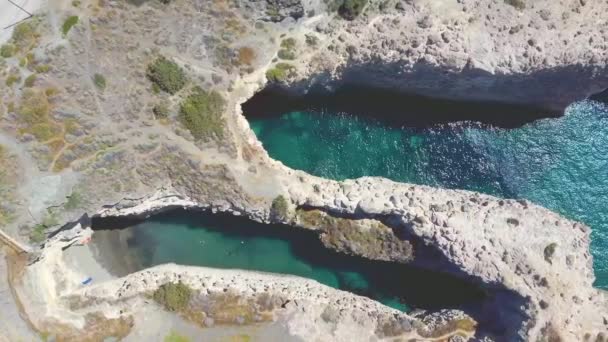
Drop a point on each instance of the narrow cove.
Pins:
(229, 242)
(556, 162)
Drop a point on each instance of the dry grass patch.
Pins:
(229, 308)
(201, 112)
(24, 36)
(455, 327)
(246, 56)
(97, 328)
(8, 181)
(173, 296)
(34, 114)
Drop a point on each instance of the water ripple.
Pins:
(559, 163)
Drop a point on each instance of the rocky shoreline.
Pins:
(244, 298)
(104, 151)
(466, 51)
(443, 219)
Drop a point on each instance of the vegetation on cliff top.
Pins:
(279, 208)
(519, 4)
(7, 50)
(176, 337)
(288, 47)
(167, 75)
(68, 24)
(173, 296)
(100, 81)
(25, 35)
(201, 113)
(280, 72)
(347, 9)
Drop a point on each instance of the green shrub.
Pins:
(287, 54)
(287, 50)
(279, 208)
(161, 110)
(167, 75)
(7, 50)
(34, 107)
(519, 4)
(549, 251)
(12, 79)
(38, 234)
(42, 68)
(173, 296)
(175, 337)
(201, 113)
(350, 9)
(68, 24)
(289, 43)
(24, 34)
(74, 201)
(100, 81)
(311, 40)
(30, 80)
(280, 72)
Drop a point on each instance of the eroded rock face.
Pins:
(107, 146)
(467, 50)
(501, 242)
(368, 238)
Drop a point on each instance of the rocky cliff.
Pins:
(87, 129)
(536, 53)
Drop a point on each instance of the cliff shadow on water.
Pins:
(226, 241)
(390, 107)
(416, 287)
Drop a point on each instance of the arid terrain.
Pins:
(117, 108)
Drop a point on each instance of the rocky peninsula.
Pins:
(127, 109)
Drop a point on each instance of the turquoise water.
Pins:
(560, 163)
(224, 241)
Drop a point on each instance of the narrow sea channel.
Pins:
(560, 163)
(228, 242)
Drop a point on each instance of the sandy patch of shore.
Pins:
(81, 259)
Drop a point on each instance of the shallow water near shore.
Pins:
(224, 241)
(560, 163)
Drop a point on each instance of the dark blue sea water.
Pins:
(560, 163)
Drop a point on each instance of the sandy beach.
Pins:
(11, 14)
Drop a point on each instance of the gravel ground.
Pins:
(157, 324)
(12, 326)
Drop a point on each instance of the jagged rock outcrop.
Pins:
(108, 150)
(541, 54)
(502, 243)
